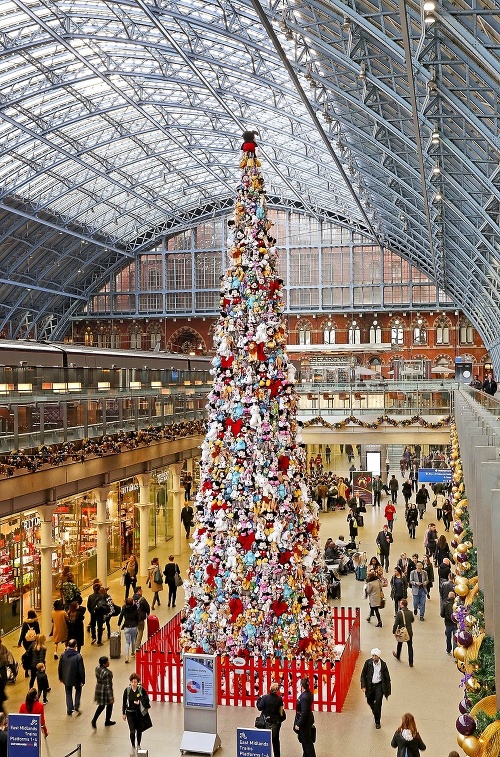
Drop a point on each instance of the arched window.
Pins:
(375, 333)
(114, 339)
(466, 332)
(103, 339)
(419, 332)
(354, 334)
(135, 338)
(329, 333)
(304, 331)
(88, 338)
(155, 338)
(443, 331)
(397, 332)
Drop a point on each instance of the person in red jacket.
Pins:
(31, 706)
(389, 514)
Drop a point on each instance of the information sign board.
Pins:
(24, 736)
(434, 475)
(253, 742)
(199, 681)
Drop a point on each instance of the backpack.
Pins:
(157, 577)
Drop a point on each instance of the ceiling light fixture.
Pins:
(435, 136)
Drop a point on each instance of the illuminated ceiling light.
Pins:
(435, 136)
(438, 196)
(429, 6)
(436, 169)
(362, 71)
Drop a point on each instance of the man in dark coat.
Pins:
(187, 514)
(384, 540)
(449, 624)
(71, 672)
(376, 683)
(490, 385)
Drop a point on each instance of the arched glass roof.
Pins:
(121, 121)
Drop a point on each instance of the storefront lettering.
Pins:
(32, 522)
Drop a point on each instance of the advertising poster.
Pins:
(362, 486)
(199, 681)
(24, 736)
(253, 742)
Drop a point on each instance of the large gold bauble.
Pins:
(464, 502)
(468, 544)
(458, 512)
(454, 454)
(461, 487)
(459, 653)
(470, 745)
(462, 548)
(469, 620)
(454, 489)
(473, 684)
(462, 590)
(466, 566)
(457, 476)
(460, 739)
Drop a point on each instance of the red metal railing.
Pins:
(159, 664)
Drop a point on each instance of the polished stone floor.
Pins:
(430, 690)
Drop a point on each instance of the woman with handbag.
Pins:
(403, 631)
(399, 588)
(135, 706)
(172, 575)
(304, 720)
(273, 714)
(375, 596)
(155, 581)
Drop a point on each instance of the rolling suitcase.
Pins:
(361, 573)
(153, 625)
(115, 645)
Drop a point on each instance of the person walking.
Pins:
(74, 621)
(32, 706)
(421, 498)
(102, 612)
(406, 491)
(353, 525)
(450, 625)
(377, 490)
(404, 618)
(129, 621)
(376, 683)
(328, 454)
(30, 624)
(130, 571)
(135, 705)
(70, 591)
(143, 610)
(412, 520)
(272, 706)
(375, 595)
(384, 540)
(59, 626)
(399, 588)
(42, 681)
(418, 583)
(103, 696)
(170, 572)
(187, 515)
(155, 581)
(407, 739)
(389, 514)
(71, 672)
(37, 653)
(188, 482)
(394, 488)
(447, 514)
(92, 601)
(429, 569)
(304, 719)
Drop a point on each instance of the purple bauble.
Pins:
(466, 725)
(454, 543)
(464, 638)
(454, 618)
(464, 705)
(457, 529)
(462, 557)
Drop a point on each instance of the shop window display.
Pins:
(19, 568)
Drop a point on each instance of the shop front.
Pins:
(19, 568)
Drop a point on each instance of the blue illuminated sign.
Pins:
(24, 736)
(434, 476)
(253, 742)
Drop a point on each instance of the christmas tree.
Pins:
(255, 581)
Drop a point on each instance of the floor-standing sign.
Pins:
(253, 742)
(200, 704)
(24, 736)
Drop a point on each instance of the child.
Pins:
(42, 682)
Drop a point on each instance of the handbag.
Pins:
(122, 579)
(261, 721)
(313, 733)
(146, 721)
(178, 579)
(401, 634)
(382, 603)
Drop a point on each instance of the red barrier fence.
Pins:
(159, 664)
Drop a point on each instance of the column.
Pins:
(144, 506)
(177, 505)
(46, 548)
(102, 523)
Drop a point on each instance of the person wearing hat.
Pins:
(376, 683)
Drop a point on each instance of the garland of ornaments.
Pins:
(415, 420)
(478, 732)
(78, 452)
(256, 584)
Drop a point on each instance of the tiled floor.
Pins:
(430, 690)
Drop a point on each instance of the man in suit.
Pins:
(418, 583)
(376, 683)
(384, 541)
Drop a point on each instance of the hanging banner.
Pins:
(362, 486)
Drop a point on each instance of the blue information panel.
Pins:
(24, 736)
(253, 742)
(434, 476)
(199, 681)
